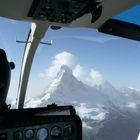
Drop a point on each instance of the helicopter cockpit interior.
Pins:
(52, 122)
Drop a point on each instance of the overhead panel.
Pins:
(71, 13)
(64, 11)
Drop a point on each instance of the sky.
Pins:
(94, 57)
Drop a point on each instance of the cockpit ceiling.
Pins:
(64, 11)
(19, 10)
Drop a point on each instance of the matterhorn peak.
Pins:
(66, 69)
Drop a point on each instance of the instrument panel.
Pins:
(41, 127)
(63, 131)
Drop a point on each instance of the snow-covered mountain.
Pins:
(96, 105)
(67, 89)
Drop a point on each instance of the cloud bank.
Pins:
(60, 59)
(89, 76)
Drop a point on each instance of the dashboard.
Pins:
(40, 124)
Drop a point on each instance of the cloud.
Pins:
(60, 59)
(132, 105)
(90, 77)
(97, 39)
(14, 22)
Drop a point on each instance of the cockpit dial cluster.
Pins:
(43, 133)
(41, 124)
(40, 133)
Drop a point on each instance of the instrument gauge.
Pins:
(42, 134)
(18, 135)
(56, 132)
(29, 134)
(67, 130)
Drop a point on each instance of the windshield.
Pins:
(95, 72)
(10, 31)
